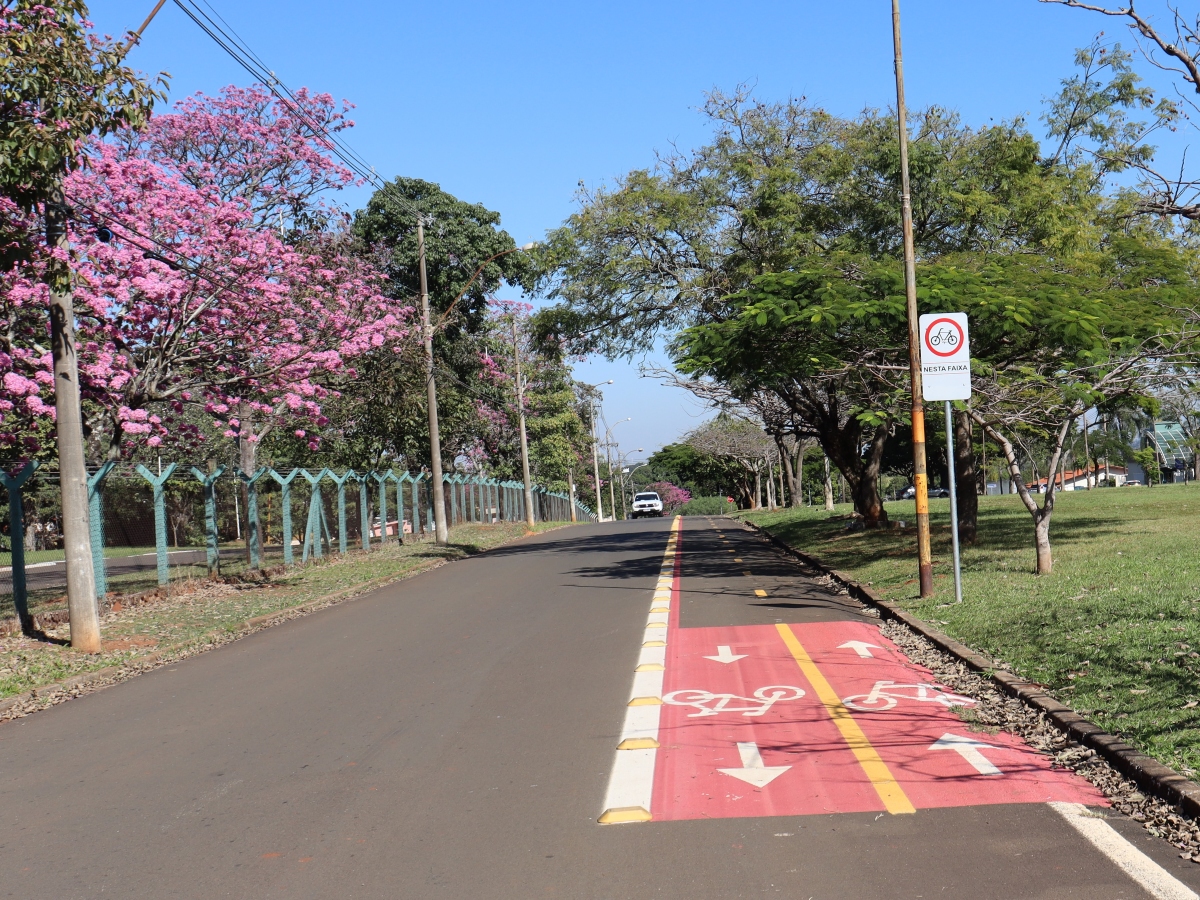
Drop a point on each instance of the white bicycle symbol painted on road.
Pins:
(709, 704)
(885, 694)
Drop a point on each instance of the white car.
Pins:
(647, 504)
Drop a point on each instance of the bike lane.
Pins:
(818, 717)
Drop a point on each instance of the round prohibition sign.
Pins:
(943, 337)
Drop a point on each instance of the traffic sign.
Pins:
(945, 356)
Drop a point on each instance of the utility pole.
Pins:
(524, 441)
(596, 468)
(920, 473)
(72, 465)
(612, 497)
(441, 533)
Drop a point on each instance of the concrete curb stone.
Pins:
(1149, 774)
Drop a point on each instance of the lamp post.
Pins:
(596, 451)
(441, 532)
(612, 498)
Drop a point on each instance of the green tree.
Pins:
(58, 86)
(1050, 339)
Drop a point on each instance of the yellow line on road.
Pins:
(894, 799)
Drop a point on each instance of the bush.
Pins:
(707, 506)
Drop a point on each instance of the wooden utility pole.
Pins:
(529, 521)
(441, 532)
(72, 465)
(920, 473)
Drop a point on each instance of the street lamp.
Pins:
(630, 473)
(612, 498)
(441, 532)
(626, 471)
(596, 451)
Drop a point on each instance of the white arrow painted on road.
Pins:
(968, 749)
(753, 771)
(862, 648)
(725, 655)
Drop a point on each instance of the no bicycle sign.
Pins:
(945, 356)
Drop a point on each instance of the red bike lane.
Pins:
(825, 717)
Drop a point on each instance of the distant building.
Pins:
(1079, 479)
(1170, 445)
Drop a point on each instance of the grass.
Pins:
(204, 612)
(1114, 631)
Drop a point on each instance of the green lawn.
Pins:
(202, 613)
(1113, 632)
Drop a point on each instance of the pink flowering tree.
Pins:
(186, 295)
(672, 496)
(246, 147)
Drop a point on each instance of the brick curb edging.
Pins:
(134, 667)
(1149, 774)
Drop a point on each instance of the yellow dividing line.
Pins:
(894, 799)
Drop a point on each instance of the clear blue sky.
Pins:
(511, 105)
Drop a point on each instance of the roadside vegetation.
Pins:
(1113, 633)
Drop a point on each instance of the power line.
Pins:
(229, 41)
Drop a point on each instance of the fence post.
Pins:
(418, 527)
(285, 502)
(452, 480)
(209, 482)
(364, 512)
(428, 500)
(253, 538)
(160, 517)
(341, 497)
(317, 526)
(382, 481)
(16, 540)
(95, 486)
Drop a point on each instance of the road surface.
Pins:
(744, 730)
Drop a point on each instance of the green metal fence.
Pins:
(150, 527)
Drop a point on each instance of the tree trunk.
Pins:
(796, 481)
(1041, 517)
(248, 463)
(1041, 540)
(868, 503)
(757, 502)
(964, 477)
(828, 488)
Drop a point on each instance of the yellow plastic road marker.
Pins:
(747, 572)
(737, 559)
(631, 783)
(759, 592)
(894, 799)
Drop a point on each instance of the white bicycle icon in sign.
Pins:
(885, 694)
(709, 704)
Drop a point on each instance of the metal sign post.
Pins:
(946, 376)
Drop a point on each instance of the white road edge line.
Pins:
(1157, 881)
(631, 784)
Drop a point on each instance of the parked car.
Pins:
(910, 492)
(647, 504)
(1132, 482)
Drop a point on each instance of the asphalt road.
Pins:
(455, 736)
(40, 576)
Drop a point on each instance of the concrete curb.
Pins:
(1149, 774)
